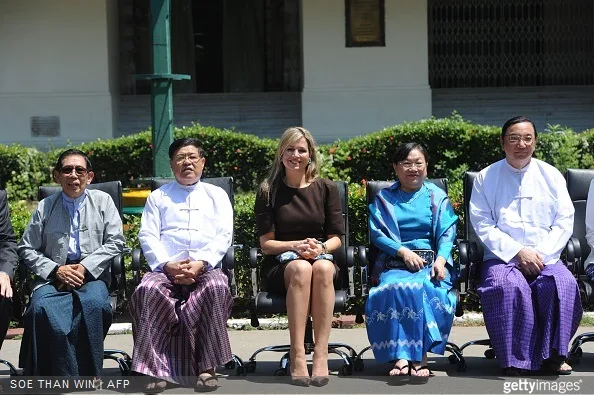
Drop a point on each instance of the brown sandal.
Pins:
(206, 383)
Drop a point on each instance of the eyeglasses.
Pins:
(409, 165)
(179, 159)
(515, 139)
(79, 170)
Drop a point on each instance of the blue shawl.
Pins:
(382, 216)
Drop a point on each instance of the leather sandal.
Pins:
(555, 367)
(206, 383)
(154, 387)
(416, 370)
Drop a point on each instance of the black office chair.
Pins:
(471, 256)
(117, 288)
(367, 256)
(578, 185)
(10, 307)
(228, 263)
(270, 303)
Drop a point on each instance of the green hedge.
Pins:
(454, 145)
(243, 156)
(22, 170)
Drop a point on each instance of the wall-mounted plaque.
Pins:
(365, 23)
(45, 126)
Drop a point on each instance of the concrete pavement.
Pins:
(482, 375)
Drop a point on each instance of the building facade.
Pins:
(67, 66)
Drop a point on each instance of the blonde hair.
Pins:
(269, 186)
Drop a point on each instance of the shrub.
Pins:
(20, 214)
(229, 153)
(22, 171)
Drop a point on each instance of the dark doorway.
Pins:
(208, 32)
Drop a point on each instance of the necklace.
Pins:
(417, 194)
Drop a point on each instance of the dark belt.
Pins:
(68, 262)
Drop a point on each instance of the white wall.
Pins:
(56, 60)
(353, 91)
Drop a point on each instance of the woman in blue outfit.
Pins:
(410, 309)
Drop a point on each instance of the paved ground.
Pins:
(482, 375)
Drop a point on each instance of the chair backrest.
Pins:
(578, 185)
(372, 189)
(113, 188)
(340, 256)
(469, 233)
(224, 182)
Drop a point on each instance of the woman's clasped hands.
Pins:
(415, 263)
(309, 248)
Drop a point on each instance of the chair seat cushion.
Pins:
(270, 303)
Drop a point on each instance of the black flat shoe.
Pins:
(511, 371)
(555, 368)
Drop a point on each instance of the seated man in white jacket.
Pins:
(523, 215)
(180, 309)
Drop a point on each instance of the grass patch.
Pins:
(587, 320)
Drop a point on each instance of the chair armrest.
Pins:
(24, 291)
(255, 253)
(464, 252)
(22, 270)
(136, 257)
(350, 263)
(229, 258)
(117, 265)
(228, 266)
(118, 274)
(363, 263)
(573, 256)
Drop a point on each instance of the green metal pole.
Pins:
(162, 92)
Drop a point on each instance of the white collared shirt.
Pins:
(515, 208)
(182, 221)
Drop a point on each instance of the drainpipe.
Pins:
(161, 87)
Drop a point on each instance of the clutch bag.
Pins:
(398, 263)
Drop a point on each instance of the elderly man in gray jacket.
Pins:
(68, 245)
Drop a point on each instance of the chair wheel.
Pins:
(452, 359)
(359, 365)
(230, 365)
(489, 353)
(241, 370)
(251, 366)
(346, 370)
(280, 372)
